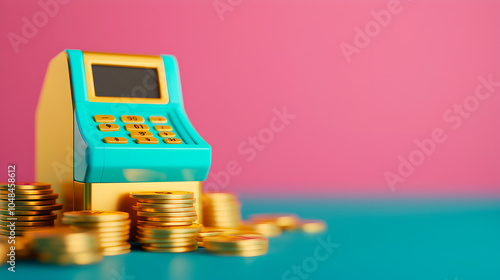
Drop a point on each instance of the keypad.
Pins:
(163, 127)
(115, 140)
(172, 140)
(108, 127)
(166, 134)
(157, 119)
(104, 118)
(131, 127)
(146, 140)
(132, 119)
(139, 131)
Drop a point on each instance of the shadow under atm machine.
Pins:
(110, 124)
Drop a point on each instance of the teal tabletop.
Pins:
(410, 239)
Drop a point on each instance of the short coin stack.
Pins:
(165, 221)
(66, 246)
(207, 232)
(111, 227)
(221, 210)
(30, 208)
(237, 244)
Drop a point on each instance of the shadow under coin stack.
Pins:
(237, 244)
(66, 246)
(111, 227)
(30, 208)
(165, 221)
(221, 210)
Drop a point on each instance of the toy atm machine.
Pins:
(110, 124)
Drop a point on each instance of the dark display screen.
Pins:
(130, 82)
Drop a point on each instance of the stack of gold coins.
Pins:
(221, 210)
(207, 232)
(237, 244)
(66, 246)
(165, 221)
(266, 228)
(4, 250)
(28, 206)
(112, 228)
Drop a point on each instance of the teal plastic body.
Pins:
(98, 162)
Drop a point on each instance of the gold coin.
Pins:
(112, 244)
(246, 253)
(168, 219)
(81, 258)
(170, 250)
(95, 224)
(312, 226)
(190, 240)
(162, 195)
(216, 247)
(95, 216)
(52, 207)
(28, 224)
(213, 231)
(174, 214)
(30, 218)
(31, 196)
(172, 245)
(161, 224)
(268, 229)
(221, 196)
(125, 246)
(25, 213)
(8, 232)
(113, 233)
(173, 229)
(164, 205)
(121, 238)
(26, 186)
(25, 192)
(145, 234)
(63, 239)
(285, 221)
(188, 201)
(163, 210)
(99, 230)
(115, 253)
(232, 240)
(29, 202)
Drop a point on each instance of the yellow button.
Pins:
(157, 119)
(115, 140)
(130, 127)
(132, 119)
(104, 118)
(146, 140)
(172, 140)
(108, 127)
(140, 133)
(163, 127)
(167, 134)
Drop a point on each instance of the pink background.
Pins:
(352, 120)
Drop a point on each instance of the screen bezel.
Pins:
(125, 60)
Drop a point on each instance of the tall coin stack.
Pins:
(221, 210)
(165, 221)
(112, 228)
(31, 207)
(66, 246)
